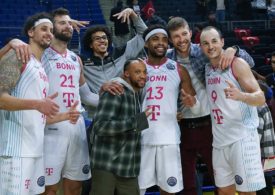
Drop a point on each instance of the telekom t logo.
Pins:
(155, 112)
(49, 171)
(68, 98)
(27, 183)
(217, 116)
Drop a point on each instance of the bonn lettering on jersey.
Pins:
(213, 81)
(43, 77)
(157, 78)
(65, 66)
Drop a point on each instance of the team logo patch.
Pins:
(73, 58)
(171, 181)
(170, 66)
(86, 169)
(238, 179)
(41, 181)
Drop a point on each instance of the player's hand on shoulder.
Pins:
(112, 87)
(22, 49)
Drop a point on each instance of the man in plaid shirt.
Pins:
(267, 142)
(115, 155)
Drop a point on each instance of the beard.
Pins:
(62, 37)
(135, 84)
(157, 55)
(45, 45)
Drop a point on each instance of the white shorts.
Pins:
(66, 152)
(21, 176)
(240, 164)
(161, 165)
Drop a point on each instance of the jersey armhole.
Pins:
(23, 68)
(179, 67)
(232, 69)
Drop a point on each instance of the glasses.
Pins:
(98, 38)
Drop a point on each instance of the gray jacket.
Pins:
(98, 71)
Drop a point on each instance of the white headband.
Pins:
(155, 31)
(40, 21)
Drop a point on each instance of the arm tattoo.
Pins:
(9, 71)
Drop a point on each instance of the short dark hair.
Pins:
(60, 12)
(151, 28)
(29, 23)
(87, 37)
(175, 23)
(207, 28)
(128, 63)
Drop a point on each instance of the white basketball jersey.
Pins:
(22, 132)
(231, 120)
(162, 90)
(63, 71)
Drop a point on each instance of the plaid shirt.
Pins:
(266, 132)
(116, 134)
(198, 60)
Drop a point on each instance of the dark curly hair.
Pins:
(87, 37)
(29, 23)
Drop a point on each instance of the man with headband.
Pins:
(24, 106)
(160, 153)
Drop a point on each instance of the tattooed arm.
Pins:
(9, 76)
(9, 71)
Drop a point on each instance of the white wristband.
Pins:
(196, 108)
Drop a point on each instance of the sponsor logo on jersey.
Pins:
(73, 58)
(170, 66)
(86, 169)
(41, 181)
(171, 181)
(238, 180)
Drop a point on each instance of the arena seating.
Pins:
(14, 12)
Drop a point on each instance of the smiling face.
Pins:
(42, 34)
(136, 74)
(211, 43)
(99, 43)
(181, 39)
(157, 45)
(63, 29)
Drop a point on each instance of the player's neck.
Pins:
(59, 46)
(183, 54)
(37, 51)
(101, 55)
(215, 62)
(156, 60)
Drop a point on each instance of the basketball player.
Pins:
(233, 94)
(160, 153)
(24, 106)
(66, 149)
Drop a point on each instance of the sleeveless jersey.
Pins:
(22, 132)
(162, 90)
(63, 71)
(231, 120)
